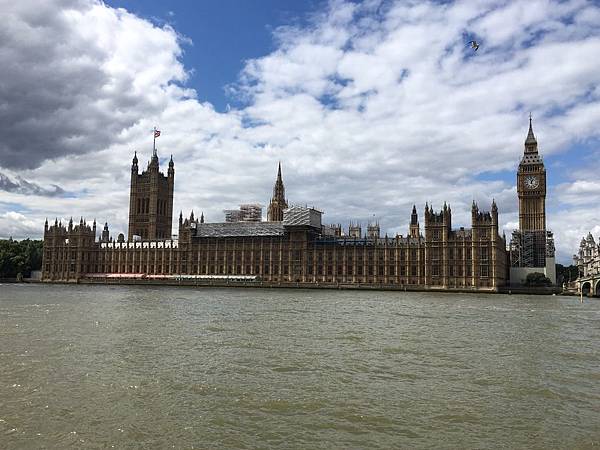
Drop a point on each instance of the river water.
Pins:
(161, 367)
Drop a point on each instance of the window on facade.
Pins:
(484, 253)
(485, 271)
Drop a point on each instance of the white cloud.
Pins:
(371, 107)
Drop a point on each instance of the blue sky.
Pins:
(224, 34)
(370, 107)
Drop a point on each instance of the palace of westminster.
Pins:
(293, 248)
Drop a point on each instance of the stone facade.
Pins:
(532, 245)
(151, 200)
(291, 247)
(587, 258)
(293, 251)
(587, 261)
(278, 202)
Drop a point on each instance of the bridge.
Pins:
(589, 285)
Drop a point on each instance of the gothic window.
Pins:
(484, 254)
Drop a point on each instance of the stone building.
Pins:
(278, 202)
(532, 245)
(151, 200)
(248, 212)
(296, 250)
(587, 261)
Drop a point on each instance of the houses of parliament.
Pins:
(292, 247)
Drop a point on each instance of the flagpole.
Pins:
(154, 144)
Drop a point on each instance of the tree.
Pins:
(19, 257)
(565, 274)
(537, 279)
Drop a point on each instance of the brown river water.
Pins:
(161, 367)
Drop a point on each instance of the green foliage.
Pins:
(537, 279)
(19, 257)
(566, 273)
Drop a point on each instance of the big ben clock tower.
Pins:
(531, 187)
(531, 246)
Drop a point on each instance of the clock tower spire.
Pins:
(531, 186)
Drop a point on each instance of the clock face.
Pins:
(531, 182)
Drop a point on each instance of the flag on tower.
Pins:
(156, 133)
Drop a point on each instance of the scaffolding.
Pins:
(248, 212)
(530, 248)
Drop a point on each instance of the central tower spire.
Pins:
(278, 201)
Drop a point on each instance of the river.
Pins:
(162, 367)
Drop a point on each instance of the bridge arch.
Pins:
(586, 288)
(597, 290)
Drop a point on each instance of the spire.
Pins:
(414, 218)
(278, 201)
(192, 216)
(171, 163)
(202, 217)
(530, 136)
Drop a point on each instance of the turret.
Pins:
(474, 212)
(278, 201)
(105, 233)
(530, 141)
(373, 230)
(414, 230)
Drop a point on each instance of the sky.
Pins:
(370, 106)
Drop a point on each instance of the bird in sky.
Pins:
(474, 45)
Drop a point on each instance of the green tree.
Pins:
(537, 279)
(566, 273)
(19, 257)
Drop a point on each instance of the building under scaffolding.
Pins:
(532, 251)
(248, 212)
